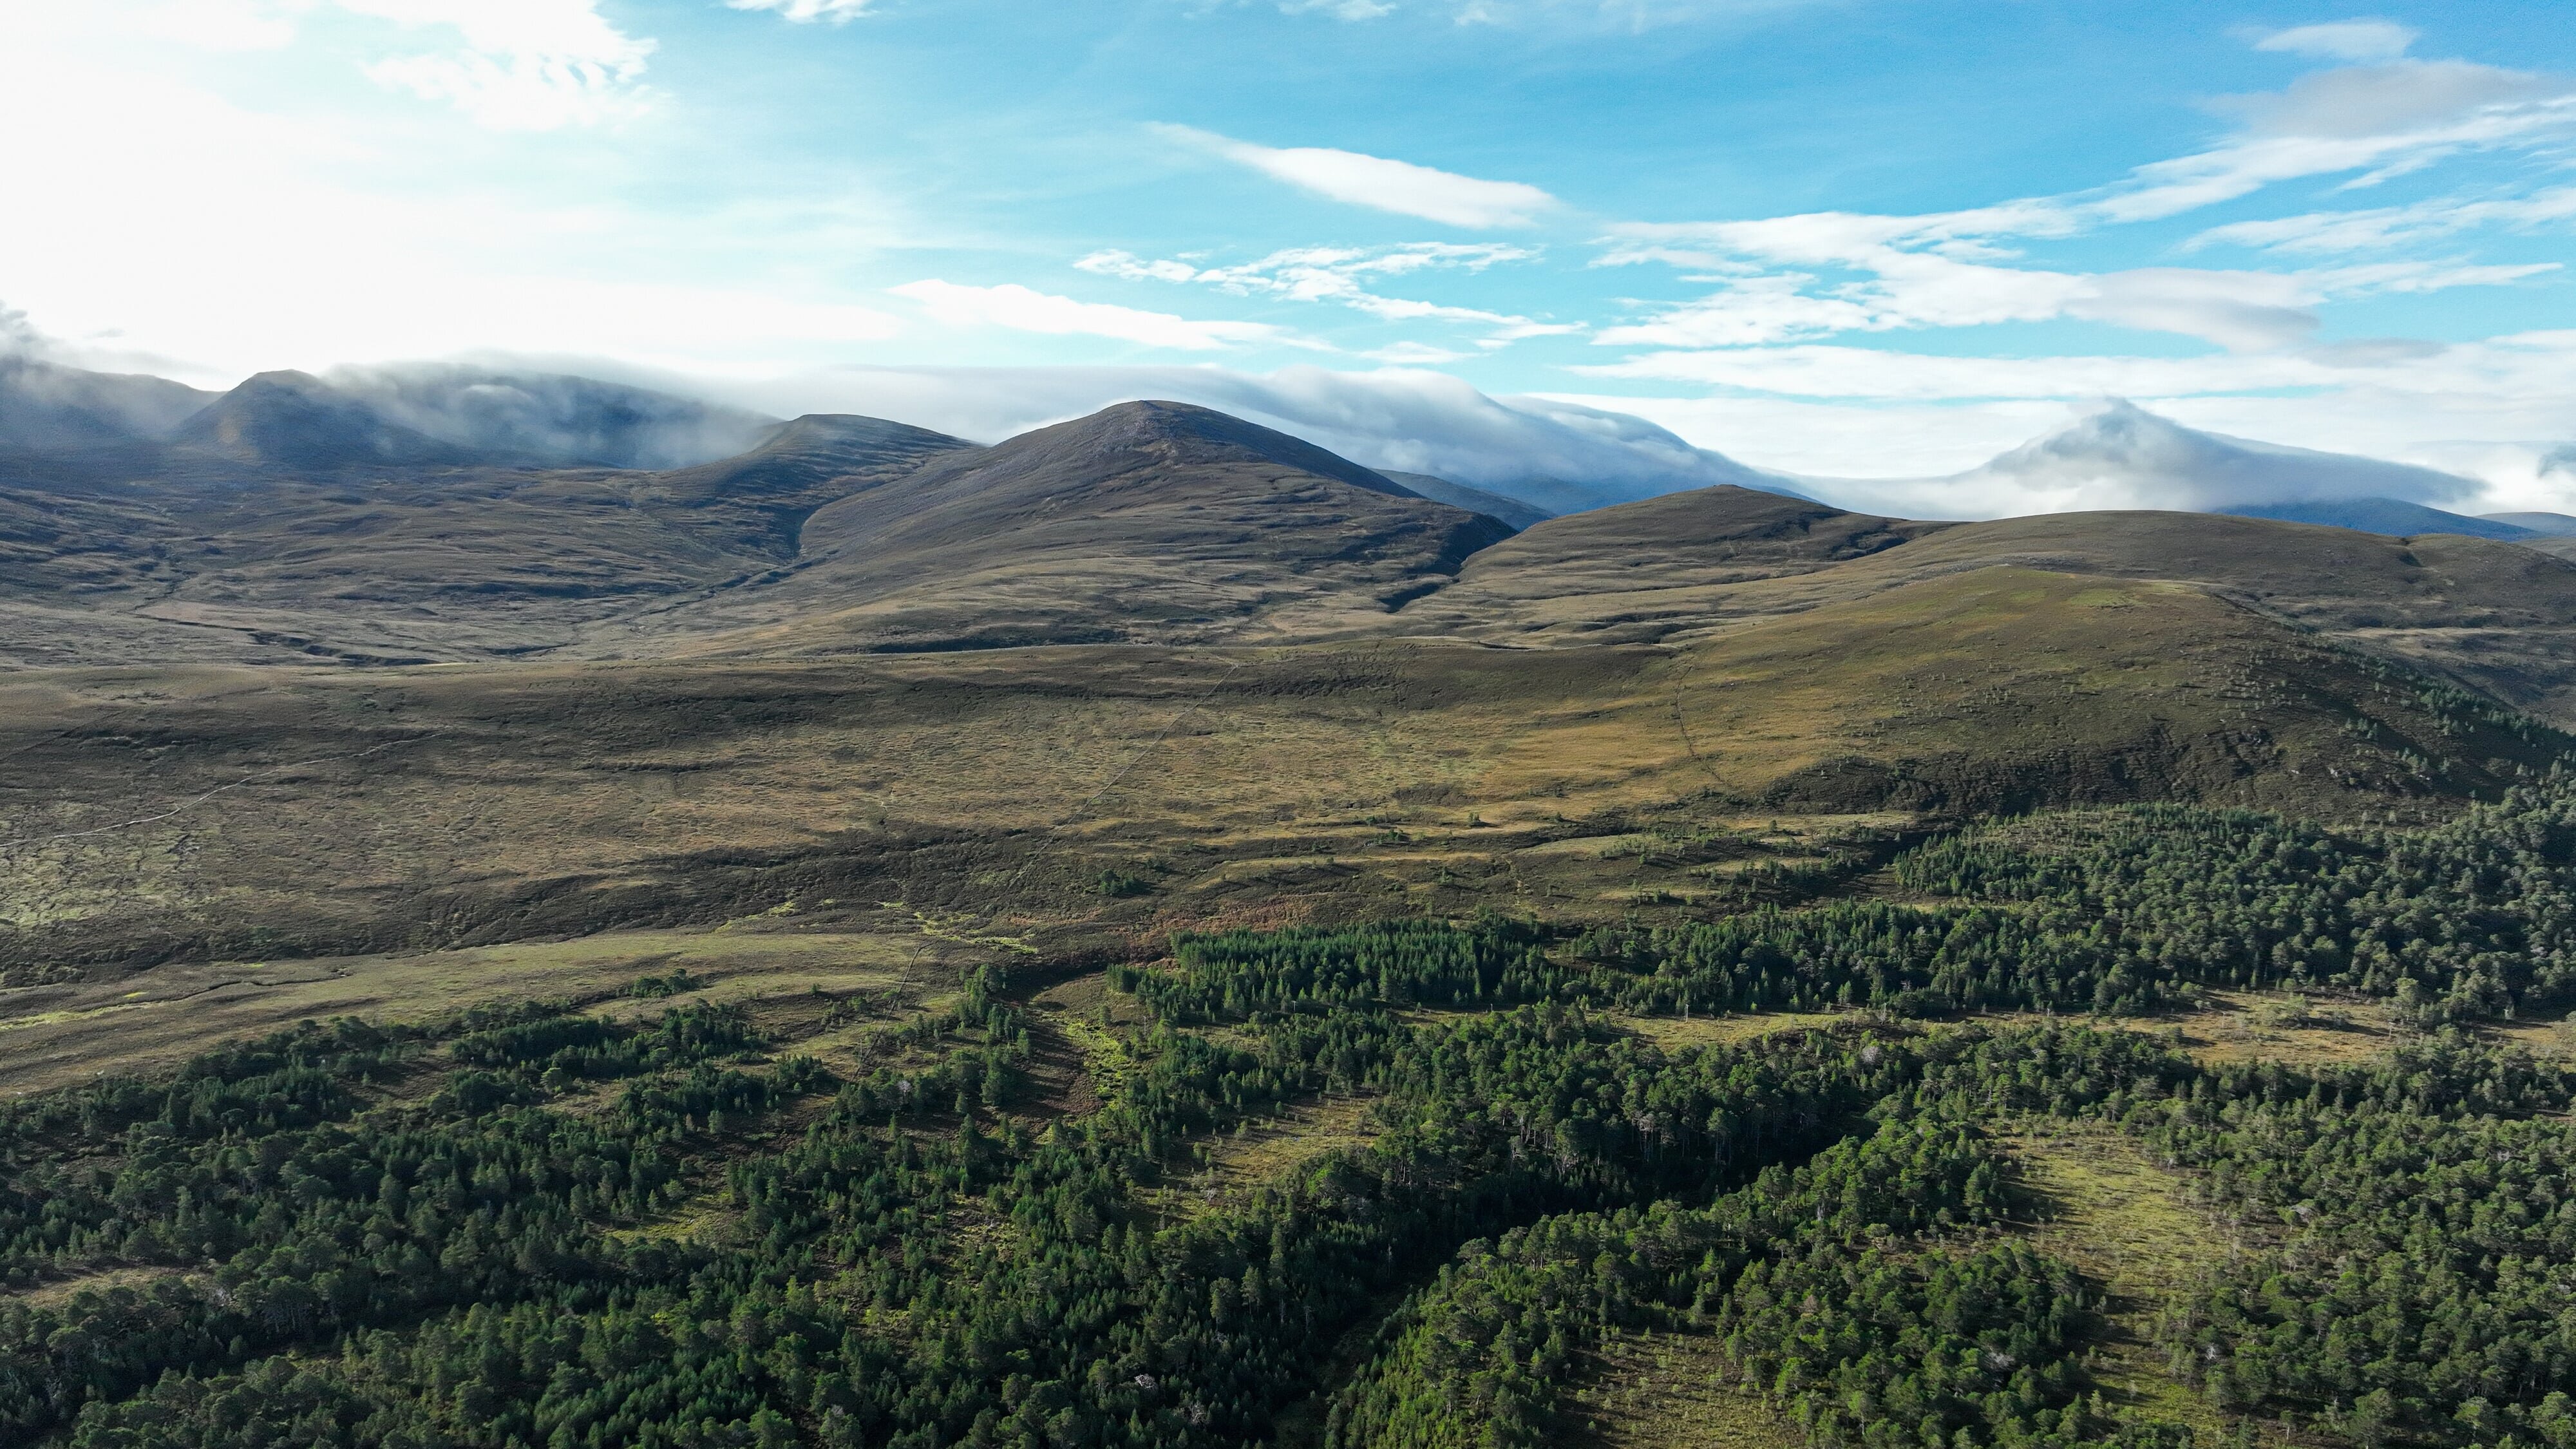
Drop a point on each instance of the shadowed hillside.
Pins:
(291, 420)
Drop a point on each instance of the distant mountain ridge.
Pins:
(2393, 516)
(398, 418)
(296, 517)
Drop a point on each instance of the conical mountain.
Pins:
(1152, 520)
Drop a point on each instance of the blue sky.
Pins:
(1873, 239)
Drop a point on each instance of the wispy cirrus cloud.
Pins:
(2377, 228)
(1338, 9)
(805, 12)
(1022, 309)
(1343, 276)
(517, 65)
(1597, 15)
(1380, 183)
(1807, 277)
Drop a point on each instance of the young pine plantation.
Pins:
(2151, 1126)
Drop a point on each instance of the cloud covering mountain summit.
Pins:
(2126, 457)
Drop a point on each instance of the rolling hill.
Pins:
(2495, 616)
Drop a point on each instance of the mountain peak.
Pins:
(1131, 435)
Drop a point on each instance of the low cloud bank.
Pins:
(552, 417)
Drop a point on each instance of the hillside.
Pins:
(2496, 616)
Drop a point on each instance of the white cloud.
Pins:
(1414, 354)
(1335, 275)
(1338, 9)
(239, 238)
(1810, 276)
(1909, 273)
(1630, 16)
(1885, 409)
(838, 12)
(1022, 310)
(1816, 370)
(523, 65)
(1374, 181)
(2342, 40)
(531, 65)
(1840, 439)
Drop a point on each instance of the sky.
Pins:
(1848, 238)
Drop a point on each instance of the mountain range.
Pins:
(452, 515)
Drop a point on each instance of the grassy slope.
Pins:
(226, 814)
